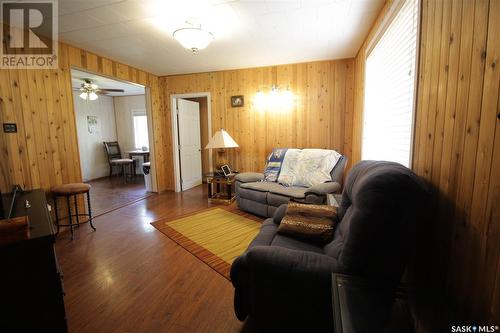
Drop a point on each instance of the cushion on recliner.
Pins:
(249, 205)
(295, 244)
(248, 177)
(292, 191)
(252, 194)
(266, 234)
(277, 200)
(295, 192)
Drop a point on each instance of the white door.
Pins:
(188, 117)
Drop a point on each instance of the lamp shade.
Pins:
(221, 139)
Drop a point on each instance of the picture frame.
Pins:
(92, 124)
(226, 170)
(237, 101)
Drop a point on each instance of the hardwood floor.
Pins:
(129, 277)
(108, 194)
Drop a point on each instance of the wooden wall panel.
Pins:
(456, 150)
(320, 117)
(44, 152)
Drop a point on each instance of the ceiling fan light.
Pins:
(93, 96)
(193, 38)
(84, 95)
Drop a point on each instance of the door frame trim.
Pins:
(175, 143)
(149, 113)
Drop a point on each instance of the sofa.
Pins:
(284, 284)
(262, 198)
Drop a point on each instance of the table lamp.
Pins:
(221, 140)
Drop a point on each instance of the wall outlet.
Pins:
(9, 128)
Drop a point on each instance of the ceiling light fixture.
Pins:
(93, 96)
(88, 90)
(193, 39)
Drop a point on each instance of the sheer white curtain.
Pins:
(389, 89)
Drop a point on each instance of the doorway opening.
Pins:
(191, 131)
(114, 135)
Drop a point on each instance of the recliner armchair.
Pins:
(283, 283)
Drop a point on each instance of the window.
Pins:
(389, 89)
(140, 129)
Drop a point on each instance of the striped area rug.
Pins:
(214, 235)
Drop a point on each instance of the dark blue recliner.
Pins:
(284, 283)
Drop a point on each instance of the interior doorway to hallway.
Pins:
(114, 136)
(191, 130)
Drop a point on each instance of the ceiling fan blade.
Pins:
(112, 90)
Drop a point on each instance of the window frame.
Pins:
(139, 113)
(389, 17)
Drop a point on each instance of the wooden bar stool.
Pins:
(67, 191)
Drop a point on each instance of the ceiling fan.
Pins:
(89, 90)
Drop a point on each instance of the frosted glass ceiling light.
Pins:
(193, 39)
(93, 96)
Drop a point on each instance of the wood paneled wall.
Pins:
(44, 152)
(321, 116)
(457, 149)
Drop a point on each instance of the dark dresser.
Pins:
(30, 280)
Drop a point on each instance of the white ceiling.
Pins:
(104, 82)
(248, 33)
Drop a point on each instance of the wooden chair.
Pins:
(115, 159)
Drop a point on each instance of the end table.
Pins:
(220, 188)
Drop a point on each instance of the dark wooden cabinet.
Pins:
(31, 291)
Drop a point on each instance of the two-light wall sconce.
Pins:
(275, 100)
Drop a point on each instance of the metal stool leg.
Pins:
(90, 211)
(57, 214)
(75, 199)
(70, 219)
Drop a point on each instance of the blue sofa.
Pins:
(263, 198)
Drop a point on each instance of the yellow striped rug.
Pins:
(215, 235)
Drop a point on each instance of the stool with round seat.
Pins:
(69, 191)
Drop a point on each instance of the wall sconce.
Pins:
(275, 100)
(260, 100)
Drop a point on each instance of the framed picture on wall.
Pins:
(237, 101)
(92, 124)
